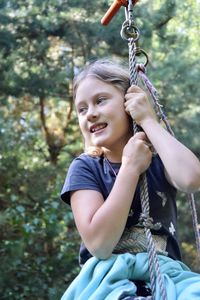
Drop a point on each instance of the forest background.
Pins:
(42, 45)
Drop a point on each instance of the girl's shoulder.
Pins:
(85, 161)
(84, 157)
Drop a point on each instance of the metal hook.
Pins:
(139, 51)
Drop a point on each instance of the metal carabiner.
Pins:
(129, 12)
(129, 30)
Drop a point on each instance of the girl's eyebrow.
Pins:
(83, 101)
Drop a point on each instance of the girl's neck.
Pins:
(113, 156)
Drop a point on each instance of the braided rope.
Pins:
(163, 117)
(133, 70)
(154, 269)
(132, 62)
(191, 201)
(154, 94)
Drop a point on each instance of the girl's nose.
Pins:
(92, 113)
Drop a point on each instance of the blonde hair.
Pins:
(106, 71)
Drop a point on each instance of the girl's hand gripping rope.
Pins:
(137, 153)
(138, 106)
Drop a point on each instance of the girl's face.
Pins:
(102, 118)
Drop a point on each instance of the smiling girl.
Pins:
(102, 188)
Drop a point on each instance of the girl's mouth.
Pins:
(97, 127)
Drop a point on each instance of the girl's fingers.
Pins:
(142, 136)
(134, 89)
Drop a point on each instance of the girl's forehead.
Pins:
(91, 87)
(92, 81)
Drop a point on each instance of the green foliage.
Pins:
(38, 242)
(42, 45)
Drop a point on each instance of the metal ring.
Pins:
(139, 51)
(128, 31)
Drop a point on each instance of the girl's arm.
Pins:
(101, 223)
(181, 165)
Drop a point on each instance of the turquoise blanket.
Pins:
(110, 279)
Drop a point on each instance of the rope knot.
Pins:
(141, 67)
(146, 221)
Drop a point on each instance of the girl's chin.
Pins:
(101, 140)
(98, 142)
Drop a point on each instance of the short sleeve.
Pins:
(80, 176)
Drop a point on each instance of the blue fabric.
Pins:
(110, 279)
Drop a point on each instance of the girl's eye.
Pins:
(82, 110)
(100, 100)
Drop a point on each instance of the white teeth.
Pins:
(98, 128)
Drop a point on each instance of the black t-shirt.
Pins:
(94, 173)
